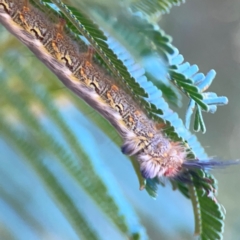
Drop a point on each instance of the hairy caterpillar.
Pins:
(158, 156)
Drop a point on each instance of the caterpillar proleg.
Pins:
(157, 155)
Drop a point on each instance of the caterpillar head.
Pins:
(161, 158)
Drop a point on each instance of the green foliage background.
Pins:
(33, 96)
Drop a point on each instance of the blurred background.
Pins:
(207, 33)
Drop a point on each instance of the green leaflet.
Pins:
(209, 216)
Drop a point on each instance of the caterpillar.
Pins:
(143, 138)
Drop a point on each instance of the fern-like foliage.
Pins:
(150, 40)
(31, 154)
(124, 42)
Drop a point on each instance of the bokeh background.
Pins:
(207, 33)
